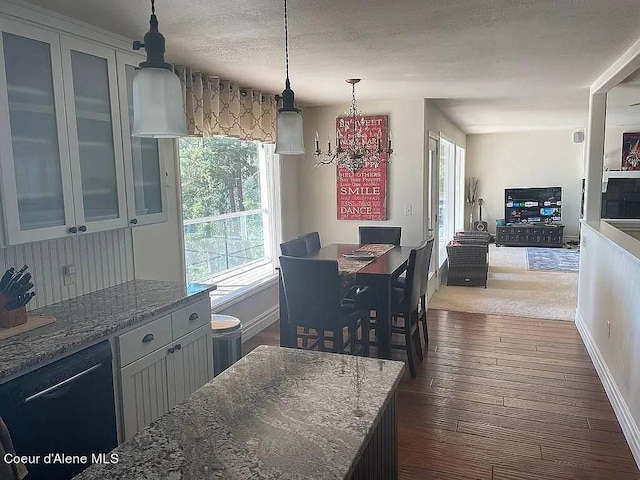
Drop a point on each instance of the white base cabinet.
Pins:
(156, 381)
(148, 390)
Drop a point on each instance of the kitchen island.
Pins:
(277, 413)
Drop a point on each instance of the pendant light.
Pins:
(158, 108)
(289, 132)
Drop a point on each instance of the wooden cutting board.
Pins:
(33, 321)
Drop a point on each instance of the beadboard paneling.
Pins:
(102, 260)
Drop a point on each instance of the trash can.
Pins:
(227, 342)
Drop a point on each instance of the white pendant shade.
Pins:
(289, 133)
(158, 109)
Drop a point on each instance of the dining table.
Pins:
(377, 275)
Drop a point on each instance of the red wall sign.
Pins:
(363, 195)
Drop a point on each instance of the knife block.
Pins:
(11, 318)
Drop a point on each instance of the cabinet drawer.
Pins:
(144, 340)
(189, 318)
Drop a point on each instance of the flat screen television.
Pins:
(533, 205)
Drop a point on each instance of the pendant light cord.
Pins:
(153, 7)
(286, 41)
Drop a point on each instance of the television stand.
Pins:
(523, 235)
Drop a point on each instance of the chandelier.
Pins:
(354, 148)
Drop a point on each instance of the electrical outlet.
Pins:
(608, 329)
(69, 275)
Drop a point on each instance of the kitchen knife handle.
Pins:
(6, 278)
(25, 279)
(27, 299)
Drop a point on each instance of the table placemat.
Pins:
(33, 321)
(349, 267)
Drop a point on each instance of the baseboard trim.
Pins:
(629, 426)
(259, 323)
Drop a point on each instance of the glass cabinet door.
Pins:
(144, 161)
(36, 176)
(94, 135)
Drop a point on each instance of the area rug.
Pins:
(553, 259)
(513, 290)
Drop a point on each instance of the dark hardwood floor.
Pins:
(504, 398)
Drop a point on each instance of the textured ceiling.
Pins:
(495, 65)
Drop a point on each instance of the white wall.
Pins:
(608, 293)
(317, 185)
(438, 122)
(527, 159)
(613, 145)
(289, 196)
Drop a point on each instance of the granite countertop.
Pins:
(278, 413)
(86, 319)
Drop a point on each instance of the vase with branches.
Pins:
(472, 197)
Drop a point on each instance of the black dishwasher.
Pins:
(66, 407)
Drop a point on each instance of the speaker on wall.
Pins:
(578, 136)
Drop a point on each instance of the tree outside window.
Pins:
(222, 205)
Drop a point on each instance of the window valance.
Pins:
(221, 107)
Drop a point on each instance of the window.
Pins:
(228, 211)
(460, 186)
(446, 196)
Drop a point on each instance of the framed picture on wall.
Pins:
(362, 195)
(631, 151)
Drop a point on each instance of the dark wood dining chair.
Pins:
(312, 293)
(404, 305)
(294, 248)
(400, 282)
(389, 235)
(312, 241)
(425, 287)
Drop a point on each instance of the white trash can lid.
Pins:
(224, 323)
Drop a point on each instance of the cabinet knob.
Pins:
(148, 338)
(73, 230)
(178, 346)
(171, 349)
(193, 316)
(82, 228)
(134, 221)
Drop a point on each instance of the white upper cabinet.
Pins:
(143, 157)
(68, 163)
(34, 153)
(95, 142)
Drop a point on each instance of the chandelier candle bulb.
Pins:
(359, 139)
